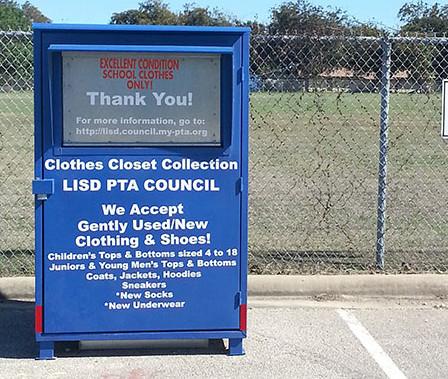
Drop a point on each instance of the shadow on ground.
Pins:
(17, 329)
(17, 340)
(215, 347)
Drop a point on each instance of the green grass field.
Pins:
(313, 183)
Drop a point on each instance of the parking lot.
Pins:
(317, 337)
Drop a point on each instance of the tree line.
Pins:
(300, 16)
(282, 58)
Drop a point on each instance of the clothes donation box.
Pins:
(140, 183)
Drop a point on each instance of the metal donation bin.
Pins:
(141, 158)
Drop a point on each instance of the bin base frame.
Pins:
(47, 341)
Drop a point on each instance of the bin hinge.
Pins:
(240, 185)
(238, 299)
(42, 188)
(240, 75)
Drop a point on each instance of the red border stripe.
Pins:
(38, 319)
(243, 317)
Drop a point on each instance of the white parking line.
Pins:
(369, 343)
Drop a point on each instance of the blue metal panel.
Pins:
(142, 28)
(145, 49)
(245, 163)
(209, 302)
(216, 334)
(213, 304)
(38, 167)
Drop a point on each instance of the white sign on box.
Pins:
(445, 108)
(132, 99)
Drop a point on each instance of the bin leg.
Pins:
(236, 346)
(46, 350)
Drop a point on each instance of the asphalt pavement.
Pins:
(320, 337)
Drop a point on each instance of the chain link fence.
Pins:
(348, 172)
(16, 154)
(314, 161)
(417, 191)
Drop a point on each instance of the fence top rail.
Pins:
(286, 36)
(421, 40)
(16, 33)
(407, 39)
(315, 37)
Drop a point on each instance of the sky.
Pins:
(99, 11)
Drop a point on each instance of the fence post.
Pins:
(386, 45)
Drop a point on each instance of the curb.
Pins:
(17, 288)
(410, 285)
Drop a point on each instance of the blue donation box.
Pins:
(140, 183)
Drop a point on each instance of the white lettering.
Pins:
(101, 98)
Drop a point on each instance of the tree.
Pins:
(33, 13)
(150, 12)
(16, 17)
(12, 16)
(194, 15)
(423, 18)
(424, 63)
(366, 29)
(156, 12)
(255, 26)
(303, 17)
(16, 53)
(291, 53)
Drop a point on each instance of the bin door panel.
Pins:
(123, 259)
